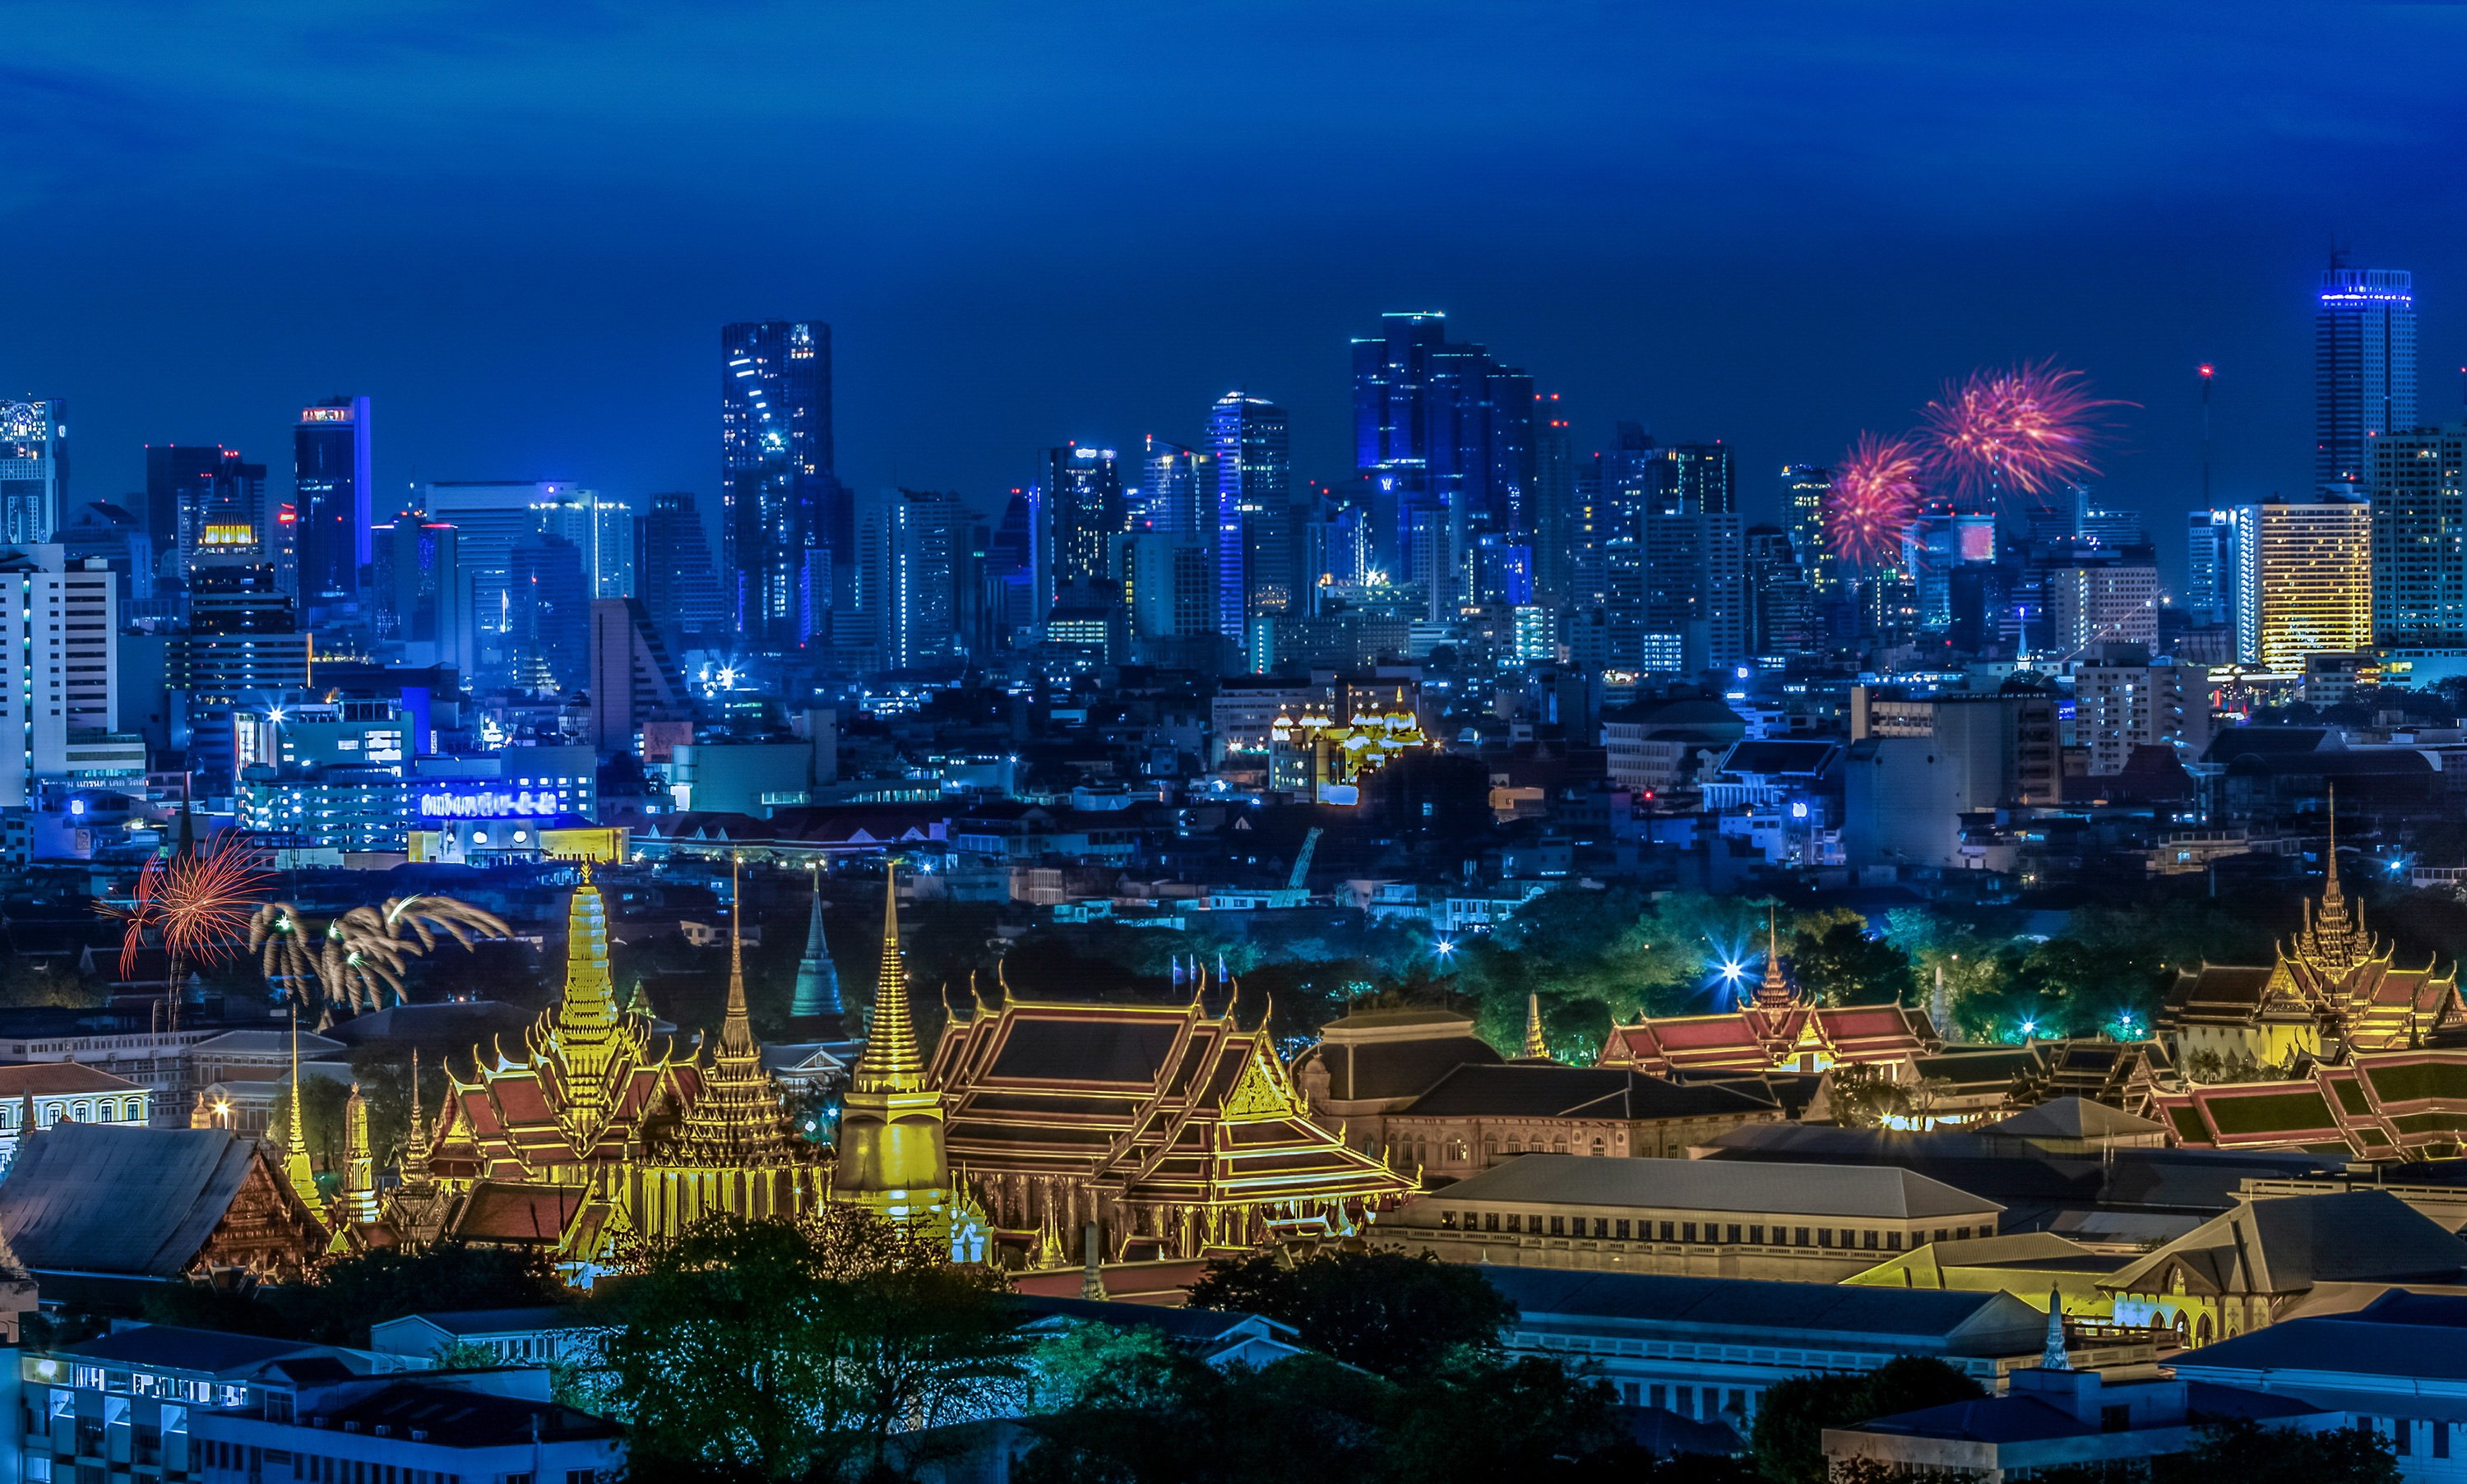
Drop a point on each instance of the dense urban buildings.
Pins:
(787, 535)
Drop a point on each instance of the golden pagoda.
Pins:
(891, 1157)
(599, 1131)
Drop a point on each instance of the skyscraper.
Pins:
(2419, 483)
(489, 518)
(2303, 581)
(190, 486)
(330, 475)
(243, 647)
(1180, 495)
(1084, 512)
(787, 533)
(548, 629)
(34, 470)
(913, 546)
(2210, 566)
(674, 571)
(1254, 511)
(1693, 479)
(2364, 367)
(420, 592)
(1694, 586)
(63, 678)
(1805, 487)
(1781, 609)
(1446, 433)
(1553, 501)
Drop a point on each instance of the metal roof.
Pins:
(1870, 1192)
(109, 1198)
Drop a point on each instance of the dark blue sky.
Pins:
(518, 228)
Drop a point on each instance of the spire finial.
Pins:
(1536, 1047)
(2052, 1355)
(735, 1030)
(891, 1062)
(295, 1153)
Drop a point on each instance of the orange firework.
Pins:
(2014, 434)
(198, 904)
(1875, 494)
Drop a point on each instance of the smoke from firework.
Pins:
(2013, 433)
(1875, 495)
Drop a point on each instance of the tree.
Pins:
(784, 1350)
(1789, 1437)
(1384, 1311)
(338, 1303)
(2247, 1453)
(322, 1101)
(1843, 965)
(1864, 1097)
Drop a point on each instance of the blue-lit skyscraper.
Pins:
(1084, 512)
(1447, 433)
(787, 533)
(330, 475)
(1256, 558)
(34, 470)
(2364, 355)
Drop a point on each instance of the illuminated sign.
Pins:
(325, 414)
(228, 535)
(489, 803)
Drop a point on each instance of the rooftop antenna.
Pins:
(2209, 374)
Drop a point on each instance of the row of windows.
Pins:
(1708, 1234)
(85, 1110)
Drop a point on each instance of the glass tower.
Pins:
(787, 533)
(1254, 511)
(329, 471)
(2364, 355)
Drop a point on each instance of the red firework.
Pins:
(1875, 494)
(2016, 433)
(198, 904)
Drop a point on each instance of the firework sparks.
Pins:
(360, 957)
(198, 904)
(1875, 494)
(2017, 432)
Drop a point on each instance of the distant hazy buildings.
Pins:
(675, 576)
(788, 534)
(2304, 581)
(329, 472)
(2364, 352)
(1444, 438)
(34, 470)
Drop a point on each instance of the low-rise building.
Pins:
(40, 1094)
(1702, 1217)
(314, 1421)
(1478, 1115)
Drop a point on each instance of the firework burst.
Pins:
(2014, 434)
(360, 957)
(1875, 494)
(198, 904)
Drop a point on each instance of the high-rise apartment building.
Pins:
(2303, 581)
(330, 493)
(913, 559)
(676, 580)
(2123, 701)
(1257, 562)
(1781, 606)
(2101, 602)
(1083, 513)
(34, 470)
(61, 675)
(1170, 586)
(1445, 434)
(2363, 368)
(1179, 492)
(2419, 513)
(1805, 489)
(787, 530)
(1690, 584)
(633, 677)
(1692, 479)
(2210, 566)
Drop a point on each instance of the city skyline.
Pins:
(1817, 293)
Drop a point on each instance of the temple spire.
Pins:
(735, 1029)
(2052, 1355)
(295, 1158)
(1774, 994)
(818, 982)
(891, 1062)
(359, 1161)
(1536, 1048)
(414, 1143)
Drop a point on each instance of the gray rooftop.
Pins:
(1917, 1322)
(1870, 1192)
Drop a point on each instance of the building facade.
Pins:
(2419, 492)
(331, 477)
(2363, 368)
(2304, 581)
(34, 470)
(788, 536)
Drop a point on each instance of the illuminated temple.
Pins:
(2333, 992)
(600, 1132)
(1778, 1029)
(1177, 1131)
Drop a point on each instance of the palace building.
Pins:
(1177, 1133)
(1780, 1029)
(2333, 992)
(597, 1131)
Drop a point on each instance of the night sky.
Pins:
(518, 228)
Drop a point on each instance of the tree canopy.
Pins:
(1384, 1311)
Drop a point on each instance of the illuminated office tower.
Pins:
(243, 645)
(1805, 487)
(2210, 566)
(1168, 585)
(1693, 479)
(1554, 504)
(1254, 511)
(1692, 591)
(1083, 513)
(330, 476)
(787, 530)
(2363, 368)
(602, 530)
(34, 470)
(190, 486)
(2420, 537)
(680, 587)
(2303, 581)
(1178, 495)
(2099, 603)
(913, 549)
(548, 634)
(1782, 608)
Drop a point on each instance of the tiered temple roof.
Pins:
(2409, 1104)
(1778, 1029)
(1177, 1130)
(2333, 991)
